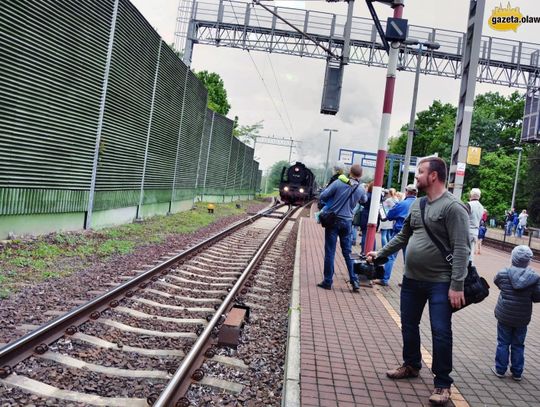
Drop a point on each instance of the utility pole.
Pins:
(328, 153)
(469, 65)
(520, 149)
(290, 150)
(411, 130)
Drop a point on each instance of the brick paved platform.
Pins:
(348, 341)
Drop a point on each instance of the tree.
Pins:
(248, 132)
(496, 127)
(179, 54)
(275, 173)
(217, 95)
(434, 130)
(496, 179)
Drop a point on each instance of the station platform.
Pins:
(349, 340)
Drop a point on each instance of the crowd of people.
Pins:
(516, 223)
(439, 236)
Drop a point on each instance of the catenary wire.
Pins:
(262, 78)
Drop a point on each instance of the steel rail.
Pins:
(172, 393)
(38, 340)
(507, 245)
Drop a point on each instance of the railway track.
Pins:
(507, 246)
(143, 342)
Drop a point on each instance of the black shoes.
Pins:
(355, 286)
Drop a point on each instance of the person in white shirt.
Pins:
(476, 210)
(522, 222)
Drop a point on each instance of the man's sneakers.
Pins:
(403, 372)
(494, 370)
(325, 286)
(440, 396)
(502, 375)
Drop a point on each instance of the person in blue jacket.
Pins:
(520, 287)
(398, 214)
(344, 198)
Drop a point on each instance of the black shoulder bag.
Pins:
(475, 288)
(329, 218)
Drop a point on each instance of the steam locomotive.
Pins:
(297, 184)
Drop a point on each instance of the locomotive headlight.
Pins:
(285, 188)
(301, 190)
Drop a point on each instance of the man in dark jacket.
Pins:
(520, 287)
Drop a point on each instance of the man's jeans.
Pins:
(386, 235)
(510, 346)
(354, 234)
(392, 258)
(414, 295)
(341, 229)
(509, 226)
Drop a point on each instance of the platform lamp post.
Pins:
(520, 149)
(328, 153)
(411, 131)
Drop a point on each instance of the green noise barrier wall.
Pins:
(99, 113)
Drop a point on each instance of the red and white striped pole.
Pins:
(383, 139)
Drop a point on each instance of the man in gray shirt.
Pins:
(429, 277)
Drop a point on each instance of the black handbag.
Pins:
(475, 288)
(329, 218)
(357, 217)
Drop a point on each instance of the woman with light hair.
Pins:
(476, 210)
(522, 223)
(387, 226)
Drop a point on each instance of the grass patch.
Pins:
(20, 261)
(4, 293)
(83, 251)
(198, 217)
(68, 239)
(49, 274)
(24, 263)
(46, 250)
(156, 239)
(110, 247)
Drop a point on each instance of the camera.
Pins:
(371, 271)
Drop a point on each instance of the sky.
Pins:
(295, 84)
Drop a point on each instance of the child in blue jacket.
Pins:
(520, 287)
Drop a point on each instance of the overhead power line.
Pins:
(262, 79)
(281, 94)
